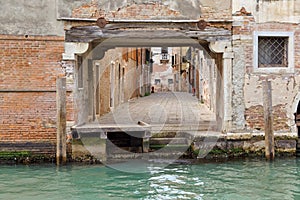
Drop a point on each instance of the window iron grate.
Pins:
(272, 51)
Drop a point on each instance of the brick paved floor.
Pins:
(162, 110)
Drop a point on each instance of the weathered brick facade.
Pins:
(30, 62)
(33, 43)
(29, 68)
(284, 84)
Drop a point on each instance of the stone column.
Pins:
(71, 50)
(225, 48)
(227, 77)
(201, 58)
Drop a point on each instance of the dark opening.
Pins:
(80, 72)
(130, 142)
(148, 56)
(297, 121)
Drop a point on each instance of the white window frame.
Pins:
(289, 68)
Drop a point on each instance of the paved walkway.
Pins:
(163, 111)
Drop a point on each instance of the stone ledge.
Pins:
(248, 135)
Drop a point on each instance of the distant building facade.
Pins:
(162, 78)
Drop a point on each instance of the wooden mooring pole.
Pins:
(61, 146)
(268, 118)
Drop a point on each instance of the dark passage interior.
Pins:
(297, 120)
(128, 142)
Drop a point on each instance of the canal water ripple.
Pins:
(239, 179)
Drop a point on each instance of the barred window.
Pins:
(273, 51)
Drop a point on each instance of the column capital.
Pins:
(220, 46)
(72, 48)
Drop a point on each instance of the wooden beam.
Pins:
(61, 148)
(146, 31)
(268, 118)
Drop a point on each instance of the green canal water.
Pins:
(239, 179)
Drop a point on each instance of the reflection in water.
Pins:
(171, 183)
(253, 179)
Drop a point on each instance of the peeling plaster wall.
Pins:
(284, 86)
(29, 17)
(153, 9)
(267, 16)
(247, 83)
(284, 89)
(268, 11)
(216, 9)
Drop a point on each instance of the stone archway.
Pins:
(84, 39)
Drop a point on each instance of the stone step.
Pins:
(124, 156)
(168, 134)
(174, 155)
(112, 149)
(181, 129)
(172, 134)
(165, 141)
(166, 155)
(169, 148)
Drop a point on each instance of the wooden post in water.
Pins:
(268, 118)
(61, 146)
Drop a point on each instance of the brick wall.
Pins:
(30, 63)
(29, 66)
(255, 118)
(143, 11)
(215, 13)
(28, 116)
(154, 10)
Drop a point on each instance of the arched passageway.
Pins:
(124, 73)
(119, 58)
(144, 35)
